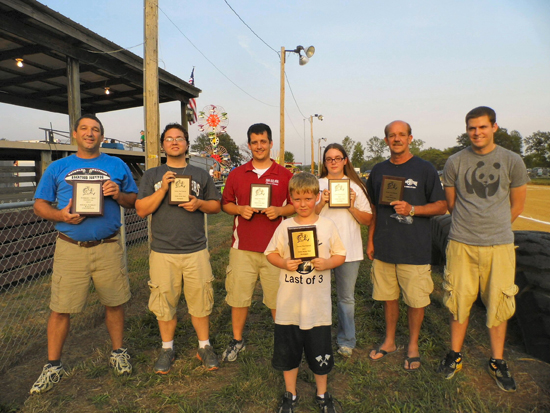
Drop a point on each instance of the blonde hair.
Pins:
(303, 182)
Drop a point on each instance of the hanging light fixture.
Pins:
(107, 90)
(19, 62)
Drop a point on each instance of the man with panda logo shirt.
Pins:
(485, 187)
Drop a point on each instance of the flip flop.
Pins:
(383, 352)
(411, 360)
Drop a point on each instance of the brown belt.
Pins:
(89, 244)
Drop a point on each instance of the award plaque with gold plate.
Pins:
(303, 242)
(392, 189)
(180, 190)
(87, 198)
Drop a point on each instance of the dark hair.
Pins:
(178, 127)
(387, 128)
(348, 167)
(482, 111)
(89, 116)
(258, 129)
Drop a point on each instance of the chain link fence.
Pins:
(27, 245)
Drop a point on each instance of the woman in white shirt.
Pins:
(336, 165)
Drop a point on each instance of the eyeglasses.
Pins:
(172, 140)
(338, 159)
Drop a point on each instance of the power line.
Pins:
(115, 51)
(292, 93)
(209, 61)
(255, 34)
(282, 57)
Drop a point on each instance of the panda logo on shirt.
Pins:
(484, 180)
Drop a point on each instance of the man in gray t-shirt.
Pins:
(485, 187)
(179, 258)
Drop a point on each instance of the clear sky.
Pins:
(427, 62)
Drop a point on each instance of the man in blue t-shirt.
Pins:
(88, 245)
(399, 238)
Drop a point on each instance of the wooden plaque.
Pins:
(340, 194)
(260, 196)
(180, 190)
(392, 189)
(303, 242)
(87, 198)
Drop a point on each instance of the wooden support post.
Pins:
(73, 93)
(40, 166)
(184, 118)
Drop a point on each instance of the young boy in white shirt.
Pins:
(304, 310)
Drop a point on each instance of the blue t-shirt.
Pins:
(398, 243)
(55, 185)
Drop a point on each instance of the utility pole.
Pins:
(151, 85)
(282, 110)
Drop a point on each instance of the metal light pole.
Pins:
(320, 117)
(319, 158)
(303, 60)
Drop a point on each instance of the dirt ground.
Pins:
(536, 207)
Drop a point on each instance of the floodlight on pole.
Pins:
(320, 117)
(303, 59)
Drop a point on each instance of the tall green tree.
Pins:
(435, 156)
(289, 157)
(348, 144)
(376, 148)
(203, 141)
(537, 147)
(511, 141)
(358, 155)
(416, 146)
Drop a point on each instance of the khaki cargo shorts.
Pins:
(415, 281)
(241, 276)
(490, 270)
(169, 273)
(74, 267)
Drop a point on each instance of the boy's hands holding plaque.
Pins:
(292, 265)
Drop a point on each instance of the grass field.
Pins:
(251, 385)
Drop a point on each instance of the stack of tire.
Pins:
(533, 299)
(532, 278)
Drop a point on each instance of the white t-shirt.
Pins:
(348, 227)
(304, 298)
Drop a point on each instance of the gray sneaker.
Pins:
(345, 351)
(165, 360)
(233, 349)
(120, 362)
(208, 357)
(50, 376)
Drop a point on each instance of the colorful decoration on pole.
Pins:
(213, 120)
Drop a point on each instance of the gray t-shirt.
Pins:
(481, 214)
(175, 230)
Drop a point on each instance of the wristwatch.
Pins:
(412, 211)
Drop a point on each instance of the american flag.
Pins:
(193, 102)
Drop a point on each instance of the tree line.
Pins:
(534, 149)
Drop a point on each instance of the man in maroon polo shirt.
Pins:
(252, 231)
